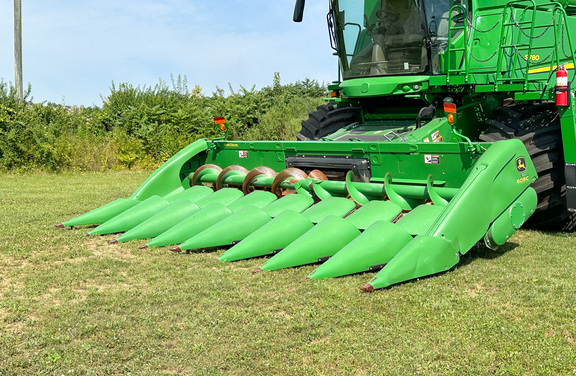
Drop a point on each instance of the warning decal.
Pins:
(431, 159)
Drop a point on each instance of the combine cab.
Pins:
(452, 124)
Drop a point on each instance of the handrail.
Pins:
(464, 28)
(521, 14)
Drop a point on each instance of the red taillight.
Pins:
(221, 122)
(449, 108)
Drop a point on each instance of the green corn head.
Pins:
(417, 220)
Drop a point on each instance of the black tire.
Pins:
(538, 126)
(327, 119)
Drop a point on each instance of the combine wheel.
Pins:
(327, 119)
(538, 126)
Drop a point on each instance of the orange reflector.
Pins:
(222, 127)
(219, 120)
(451, 119)
(450, 108)
(333, 94)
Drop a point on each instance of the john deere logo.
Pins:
(521, 164)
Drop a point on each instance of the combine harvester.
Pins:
(452, 124)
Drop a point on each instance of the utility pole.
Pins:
(18, 50)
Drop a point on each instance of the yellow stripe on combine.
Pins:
(547, 69)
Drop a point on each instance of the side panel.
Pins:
(449, 163)
(166, 180)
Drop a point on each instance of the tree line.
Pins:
(141, 127)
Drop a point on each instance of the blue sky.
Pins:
(73, 50)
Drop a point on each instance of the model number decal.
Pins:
(522, 180)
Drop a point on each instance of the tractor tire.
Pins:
(538, 126)
(327, 119)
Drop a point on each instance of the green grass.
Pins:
(74, 305)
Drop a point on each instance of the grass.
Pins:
(74, 305)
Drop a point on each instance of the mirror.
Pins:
(299, 10)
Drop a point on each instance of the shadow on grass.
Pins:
(476, 252)
(482, 252)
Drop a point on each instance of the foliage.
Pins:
(140, 127)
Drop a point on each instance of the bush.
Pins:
(141, 127)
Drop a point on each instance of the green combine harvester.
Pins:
(452, 123)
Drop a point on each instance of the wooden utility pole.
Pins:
(18, 50)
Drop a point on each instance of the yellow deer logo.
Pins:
(521, 164)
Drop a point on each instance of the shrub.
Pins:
(141, 127)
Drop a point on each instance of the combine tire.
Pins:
(327, 119)
(538, 126)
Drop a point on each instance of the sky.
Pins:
(72, 50)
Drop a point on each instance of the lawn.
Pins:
(76, 305)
